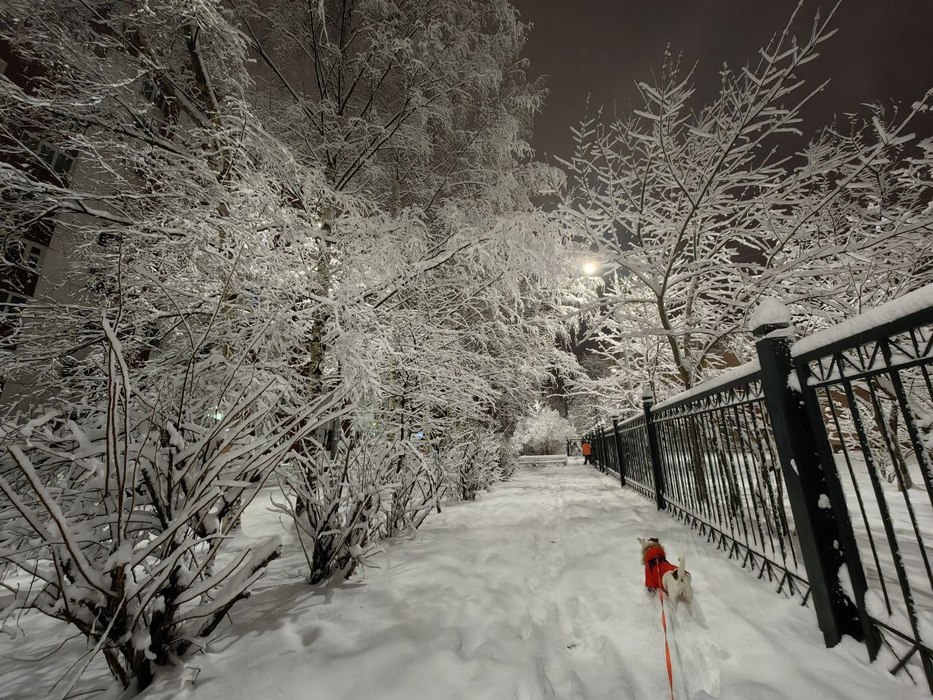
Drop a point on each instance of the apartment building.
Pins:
(31, 252)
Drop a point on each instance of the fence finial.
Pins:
(647, 394)
(771, 315)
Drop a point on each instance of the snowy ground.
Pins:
(534, 592)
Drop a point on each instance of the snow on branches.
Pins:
(543, 432)
(699, 212)
(344, 284)
(120, 514)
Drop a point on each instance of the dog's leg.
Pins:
(671, 586)
(686, 586)
(683, 575)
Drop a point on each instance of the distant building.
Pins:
(28, 245)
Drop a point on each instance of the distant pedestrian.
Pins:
(587, 449)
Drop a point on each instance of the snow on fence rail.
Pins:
(900, 311)
(814, 467)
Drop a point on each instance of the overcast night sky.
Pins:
(882, 51)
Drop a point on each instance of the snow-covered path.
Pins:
(533, 592)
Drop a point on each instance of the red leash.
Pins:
(667, 649)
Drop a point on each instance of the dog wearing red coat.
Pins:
(660, 573)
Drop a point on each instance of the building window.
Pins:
(24, 254)
(22, 261)
(11, 305)
(41, 231)
(57, 161)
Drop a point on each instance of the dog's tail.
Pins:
(682, 564)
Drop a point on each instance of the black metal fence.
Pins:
(814, 468)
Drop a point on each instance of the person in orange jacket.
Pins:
(587, 449)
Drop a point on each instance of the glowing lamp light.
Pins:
(590, 268)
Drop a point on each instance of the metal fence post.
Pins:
(821, 538)
(568, 449)
(607, 450)
(607, 453)
(600, 453)
(647, 401)
(619, 456)
(594, 446)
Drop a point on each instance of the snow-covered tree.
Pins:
(425, 109)
(412, 102)
(543, 431)
(267, 259)
(163, 348)
(422, 107)
(699, 212)
(178, 216)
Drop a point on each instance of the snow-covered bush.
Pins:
(417, 487)
(336, 503)
(473, 462)
(370, 488)
(504, 466)
(543, 432)
(120, 512)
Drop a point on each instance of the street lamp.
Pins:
(590, 268)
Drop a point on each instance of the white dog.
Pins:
(660, 573)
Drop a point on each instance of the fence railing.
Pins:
(814, 468)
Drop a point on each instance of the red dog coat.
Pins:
(656, 565)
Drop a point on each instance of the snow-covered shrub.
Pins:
(416, 485)
(373, 487)
(436, 478)
(120, 512)
(336, 503)
(543, 432)
(504, 467)
(473, 462)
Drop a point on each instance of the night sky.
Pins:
(882, 51)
